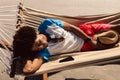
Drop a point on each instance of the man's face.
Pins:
(40, 42)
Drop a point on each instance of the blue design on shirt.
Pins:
(44, 54)
(47, 23)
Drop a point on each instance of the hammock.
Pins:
(31, 17)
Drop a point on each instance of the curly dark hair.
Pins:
(23, 41)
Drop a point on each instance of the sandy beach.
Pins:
(72, 8)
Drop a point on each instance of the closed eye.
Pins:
(38, 44)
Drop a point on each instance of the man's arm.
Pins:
(32, 66)
(75, 30)
(6, 44)
(81, 34)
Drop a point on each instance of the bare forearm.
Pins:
(79, 32)
(6, 44)
(75, 30)
(32, 66)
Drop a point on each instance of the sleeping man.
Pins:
(58, 37)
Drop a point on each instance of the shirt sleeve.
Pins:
(47, 23)
(44, 54)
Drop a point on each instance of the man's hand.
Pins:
(6, 44)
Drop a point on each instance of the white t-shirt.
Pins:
(53, 28)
